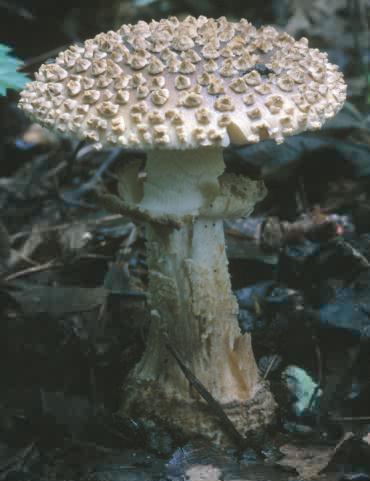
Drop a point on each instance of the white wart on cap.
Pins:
(185, 84)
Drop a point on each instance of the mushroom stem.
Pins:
(192, 306)
(194, 310)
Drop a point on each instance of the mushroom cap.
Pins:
(184, 84)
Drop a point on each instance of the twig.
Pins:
(211, 401)
(270, 366)
(319, 374)
(17, 461)
(73, 196)
(31, 270)
(53, 172)
(101, 220)
(114, 204)
(27, 259)
(270, 233)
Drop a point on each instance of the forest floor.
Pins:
(73, 277)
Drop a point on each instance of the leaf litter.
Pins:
(73, 281)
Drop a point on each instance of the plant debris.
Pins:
(73, 276)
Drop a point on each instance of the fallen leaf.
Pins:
(309, 461)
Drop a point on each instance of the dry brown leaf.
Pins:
(309, 461)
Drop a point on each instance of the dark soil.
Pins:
(73, 316)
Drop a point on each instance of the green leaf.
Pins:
(10, 78)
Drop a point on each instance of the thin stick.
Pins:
(31, 270)
(75, 195)
(319, 373)
(114, 204)
(42, 230)
(207, 396)
(16, 461)
(269, 367)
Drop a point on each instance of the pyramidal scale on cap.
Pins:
(183, 84)
(182, 91)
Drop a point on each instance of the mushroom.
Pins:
(183, 91)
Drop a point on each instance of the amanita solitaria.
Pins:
(182, 91)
